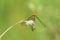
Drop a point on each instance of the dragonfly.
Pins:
(31, 21)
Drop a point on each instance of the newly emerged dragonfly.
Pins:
(31, 21)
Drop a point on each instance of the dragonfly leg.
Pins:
(40, 21)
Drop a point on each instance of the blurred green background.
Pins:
(11, 11)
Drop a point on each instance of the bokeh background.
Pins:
(12, 11)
